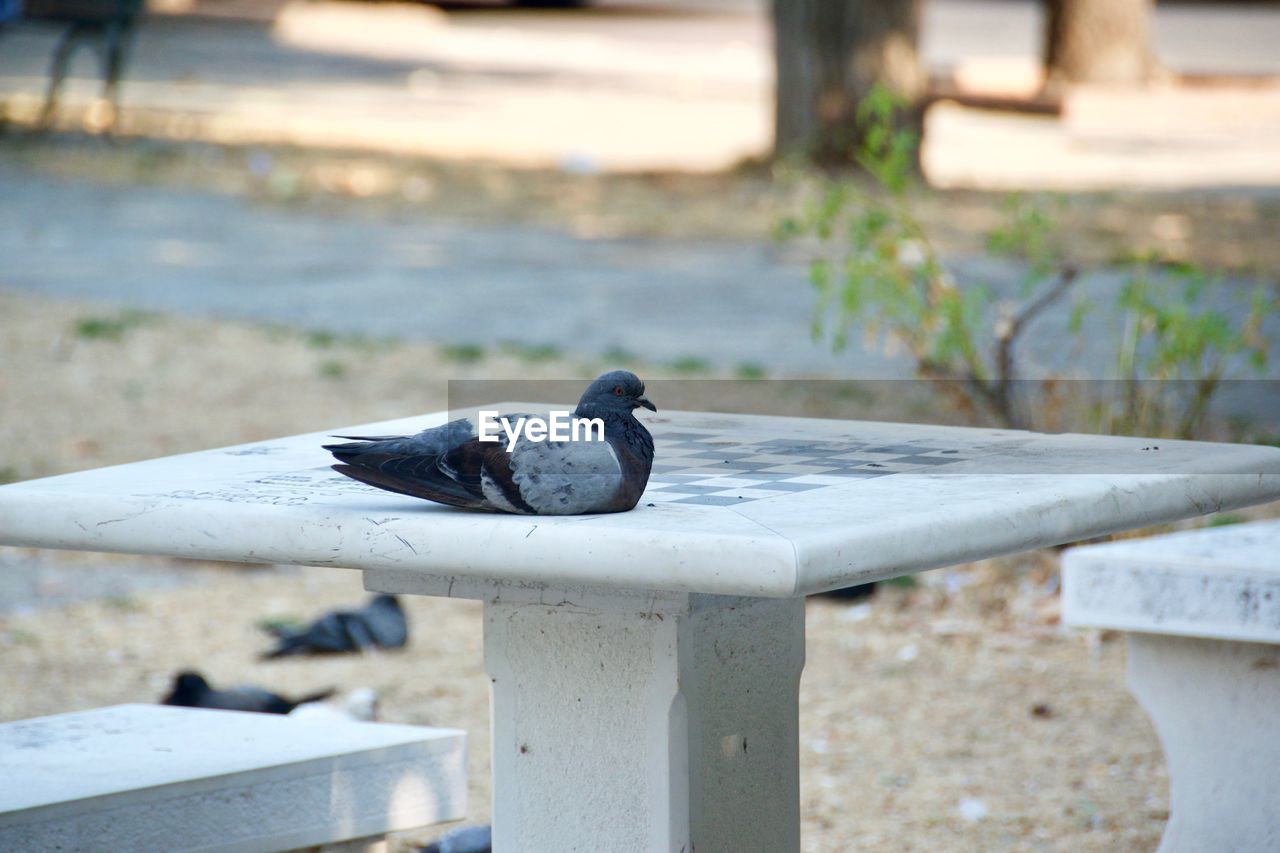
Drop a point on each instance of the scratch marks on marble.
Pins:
(298, 488)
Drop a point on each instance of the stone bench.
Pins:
(1202, 613)
(149, 777)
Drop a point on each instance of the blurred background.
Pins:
(225, 220)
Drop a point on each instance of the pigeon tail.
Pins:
(318, 696)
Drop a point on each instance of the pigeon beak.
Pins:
(643, 401)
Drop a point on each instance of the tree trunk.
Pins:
(830, 54)
(1098, 41)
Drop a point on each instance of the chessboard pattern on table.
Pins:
(711, 468)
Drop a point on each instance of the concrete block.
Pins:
(150, 777)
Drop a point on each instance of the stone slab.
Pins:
(1219, 583)
(831, 503)
(150, 777)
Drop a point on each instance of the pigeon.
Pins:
(380, 624)
(851, 593)
(464, 839)
(452, 465)
(191, 690)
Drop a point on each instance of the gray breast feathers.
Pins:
(566, 477)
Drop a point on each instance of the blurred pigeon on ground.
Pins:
(451, 465)
(380, 624)
(191, 690)
(464, 839)
(360, 705)
(851, 593)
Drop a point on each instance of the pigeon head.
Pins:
(189, 681)
(616, 392)
(189, 687)
(387, 602)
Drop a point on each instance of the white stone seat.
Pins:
(1202, 612)
(150, 777)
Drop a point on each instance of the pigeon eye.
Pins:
(617, 391)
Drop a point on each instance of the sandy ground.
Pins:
(960, 695)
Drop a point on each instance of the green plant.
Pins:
(532, 353)
(877, 269)
(462, 353)
(19, 637)
(1177, 348)
(321, 339)
(881, 271)
(690, 364)
(110, 328)
(619, 355)
(331, 368)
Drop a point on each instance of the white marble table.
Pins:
(645, 665)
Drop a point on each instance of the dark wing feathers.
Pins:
(465, 464)
(478, 462)
(380, 624)
(447, 464)
(453, 496)
(410, 465)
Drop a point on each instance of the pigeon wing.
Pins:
(484, 467)
(418, 481)
(248, 697)
(411, 465)
(325, 634)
